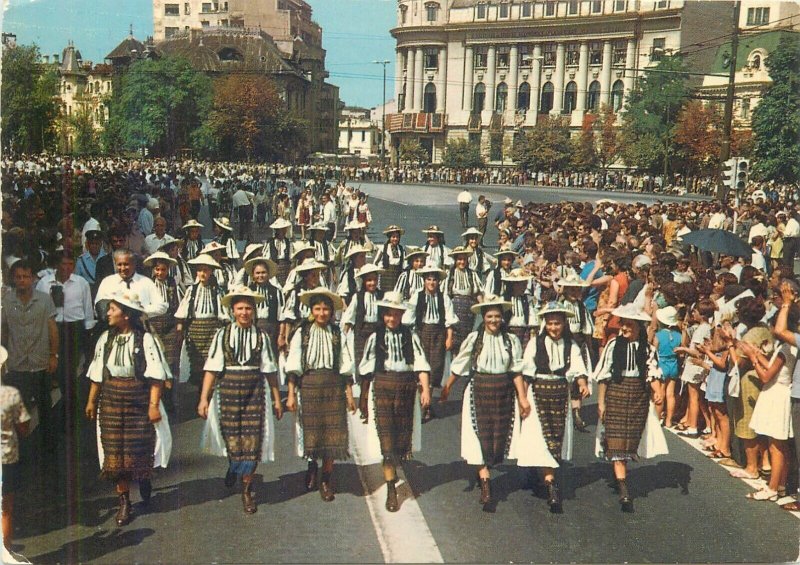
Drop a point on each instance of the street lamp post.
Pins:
(383, 117)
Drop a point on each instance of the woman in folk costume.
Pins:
(626, 374)
(522, 316)
(361, 314)
(303, 213)
(355, 237)
(225, 272)
(242, 277)
(494, 280)
(180, 270)
(319, 368)
(240, 376)
(323, 252)
(193, 242)
(295, 310)
(302, 252)
(463, 286)
(224, 236)
(349, 283)
(479, 261)
(127, 375)
(409, 281)
(200, 314)
(261, 272)
(393, 368)
(279, 249)
(438, 252)
(552, 362)
(391, 257)
(431, 314)
(581, 326)
(491, 358)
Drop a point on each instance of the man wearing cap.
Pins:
(464, 199)
(86, 266)
(156, 239)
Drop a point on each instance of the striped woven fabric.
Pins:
(324, 415)
(466, 319)
(432, 338)
(389, 277)
(395, 394)
(552, 399)
(524, 335)
(127, 436)
(360, 340)
(198, 339)
(164, 328)
(241, 413)
(627, 403)
(493, 414)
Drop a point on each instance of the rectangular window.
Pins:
(170, 31)
(363, 136)
(620, 5)
(757, 16)
(481, 57)
(206, 7)
(619, 53)
(505, 11)
(480, 11)
(597, 6)
(525, 56)
(549, 8)
(223, 23)
(403, 15)
(745, 108)
(572, 7)
(205, 23)
(661, 4)
(549, 55)
(503, 57)
(172, 10)
(431, 10)
(187, 8)
(657, 51)
(527, 9)
(573, 53)
(595, 53)
(431, 60)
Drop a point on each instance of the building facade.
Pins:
(359, 134)
(486, 70)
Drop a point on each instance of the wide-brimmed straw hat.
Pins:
(272, 267)
(169, 240)
(631, 312)
(280, 223)
(433, 229)
(505, 251)
(212, 246)
(461, 250)
(192, 224)
(355, 250)
(241, 292)
(318, 227)
(555, 307)
(251, 251)
(394, 228)
(393, 300)
(431, 270)
(517, 275)
(472, 231)
(354, 225)
(369, 269)
(300, 247)
(308, 295)
(412, 252)
(204, 259)
(573, 279)
(224, 223)
(491, 301)
(159, 256)
(309, 264)
(667, 316)
(129, 299)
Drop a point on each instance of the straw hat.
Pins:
(412, 252)
(192, 224)
(169, 240)
(461, 250)
(159, 256)
(280, 224)
(318, 227)
(128, 299)
(212, 246)
(507, 201)
(300, 247)
(224, 223)
(433, 229)
(573, 279)
(309, 265)
(241, 292)
(472, 231)
(394, 228)
(491, 301)
(354, 225)
(519, 204)
(251, 250)
(393, 301)
(555, 307)
(355, 250)
(368, 269)
(204, 259)
(308, 295)
(272, 267)
(505, 251)
(431, 270)
(667, 316)
(517, 275)
(631, 312)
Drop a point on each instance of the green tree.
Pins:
(608, 138)
(697, 137)
(29, 106)
(544, 147)
(651, 110)
(159, 106)
(411, 151)
(461, 154)
(584, 146)
(85, 138)
(776, 119)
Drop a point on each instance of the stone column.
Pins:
(536, 81)
(410, 84)
(605, 74)
(513, 79)
(491, 78)
(469, 75)
(441, 81)
(398, 75)
(419, 79)
(582, 77)
(558, 80)
(630, 64)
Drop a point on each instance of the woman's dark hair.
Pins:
(321, 298)
(750, 310)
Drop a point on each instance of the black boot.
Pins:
(392, 504)
(553, 497)
(124, 512)
(577, 421)
(145, 490)
(311, 476)
(486, 492)
(625, 500)
(248, 502)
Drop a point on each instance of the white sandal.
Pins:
(765, 493)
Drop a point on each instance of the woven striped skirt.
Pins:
(466, 319)
(198, 340)
(164, 328)
(389, 277)
(126, 433)
(284, 266)
(552, 400)
(324, 414)
(241, 413)
(360, 341)
(627, 403)
(432, 337)
(271, 329)
(395, 394)
(524, 334)
(493, 415)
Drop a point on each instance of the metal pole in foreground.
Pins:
(727, 121)
(383, 117)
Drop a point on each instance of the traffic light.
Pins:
(736, 173)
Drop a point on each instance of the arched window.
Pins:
(547, 98)
(570, 97)
(230, 54)
(593, 96)
(429, 98)
(524, 97)
(756, 62)
(501, 97)
(479, 97)
(617, 94)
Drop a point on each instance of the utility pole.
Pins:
(383, 117)
(727, 121)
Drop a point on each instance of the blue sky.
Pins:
(355, 33)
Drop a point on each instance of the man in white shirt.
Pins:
(329, 216)
(791, 239)
(464, 200)
(717, 218)
(74, 317)
(482, 214)
(147, 217)
(155, 240)
(126, 278)
(242, 203)
(759, 246)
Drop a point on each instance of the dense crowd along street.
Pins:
(168, 314)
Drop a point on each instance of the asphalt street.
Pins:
(687, 507)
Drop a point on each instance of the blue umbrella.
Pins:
(718, 241)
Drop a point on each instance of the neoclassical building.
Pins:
(484, 70)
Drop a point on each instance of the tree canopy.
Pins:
(461, 154)
(544, 147)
